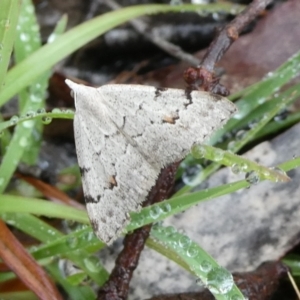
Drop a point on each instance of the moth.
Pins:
(125, 135)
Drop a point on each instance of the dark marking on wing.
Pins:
(124, 122)
(95, 225)
(158, 92)
(188, 95)
(103, 220)
(110, 213)
(83, 171)
(90, 199)
(117, 229)
(112, 182)
(170, 119)
(98, 153)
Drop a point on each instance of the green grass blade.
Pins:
(10, 203)
(216, 278)
(9, 14)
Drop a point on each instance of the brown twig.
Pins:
(117, 286)
(203, 75)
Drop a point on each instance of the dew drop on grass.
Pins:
(219, 280)
(41, 111)
(252, 177)
(236, 169)
(166, 207)
(170, 230)
(23, 142)
(92, 264)
(184, 242)
(192, 251)
(155, 212)
(205, 266)
(56, 110)
(240, 134)
(198, 151)
(13, 120)
(218, 155)
(231, 145)
(190, 174)
(72, 242)
(46, 120)
(28, 124)
(30, 114)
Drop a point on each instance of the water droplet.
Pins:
(184, 241)
(231, 145)
(72, 242)
(252, 177)
(28, 124)
(281, 116)
(240, 134)
(30, 9)
(56, 110)
(218, 155)
(46, 120)
(155, 212)
(198, 151)
(236, 169)
(190, 175)
(30, 114)
(261, 100)
(90, 236)
(24, 37)
(205, 266)
(219, 281)
(170, 230)
(269, 75)
(192, 251)
(23, 142)
(166, 207)
(41, 111)
(234, 9)
(35, 98)
(92, 264)
(13, 120)
(218, 16)
(52, 37)
(200, 283)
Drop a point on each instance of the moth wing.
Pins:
(116, 178)
(165, 123)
